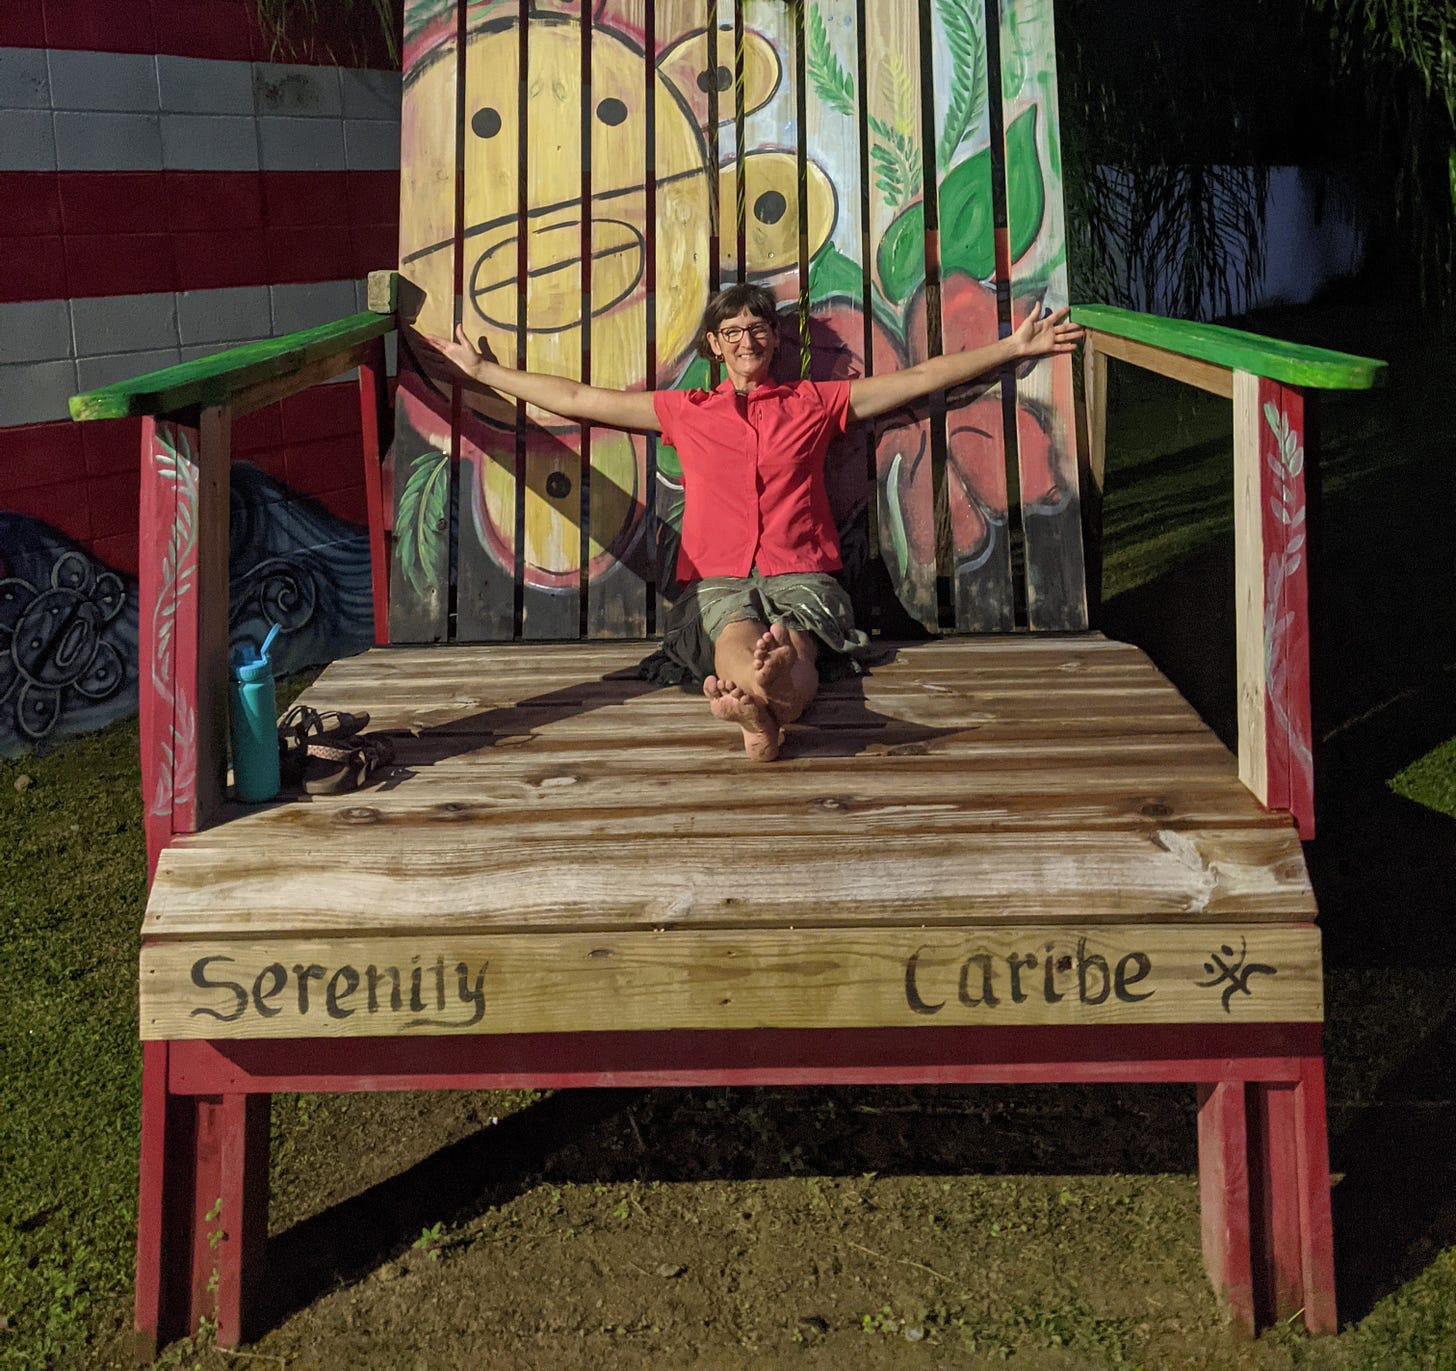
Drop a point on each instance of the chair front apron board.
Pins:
(1012, 853)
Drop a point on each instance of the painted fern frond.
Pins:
(897, 92)
(889, 173)
(965, 38)
(421, 525)
(834, 85)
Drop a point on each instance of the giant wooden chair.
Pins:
(1011, 853)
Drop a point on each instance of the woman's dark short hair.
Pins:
(726, 303)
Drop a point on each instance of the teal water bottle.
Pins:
(254, 716)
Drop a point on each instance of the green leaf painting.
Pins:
(422, 524)
(894, 152)
(832, 276)
(965, 36)
(967, 239)
(833, 85)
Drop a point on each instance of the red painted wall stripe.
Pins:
(92, 233)
(82, 479)
(220, 29)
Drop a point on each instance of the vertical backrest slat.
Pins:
(975, 439)
(692, 88)
(903, 458)
(1046, 428)
(423, 444)
(552, 181)
(490, 303)
(841, 331)
(767, 95)
(617, 549)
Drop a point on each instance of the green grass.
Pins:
(1431, 780)
(73, 873)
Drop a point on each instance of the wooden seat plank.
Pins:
(502, 820)
(555, 983)
(452, 878)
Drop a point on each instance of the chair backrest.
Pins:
(576, 179)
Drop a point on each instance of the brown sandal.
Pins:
(337, 768)
(302, 727)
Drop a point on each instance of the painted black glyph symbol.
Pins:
(1224, 966)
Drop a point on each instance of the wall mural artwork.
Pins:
(68, 623)
(690, 233)
(68, 638)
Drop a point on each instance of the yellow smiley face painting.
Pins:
(524, 216)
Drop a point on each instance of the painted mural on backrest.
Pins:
(830, 150)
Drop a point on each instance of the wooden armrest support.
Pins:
(1149, 340)
(1272, 386)
(242, 378)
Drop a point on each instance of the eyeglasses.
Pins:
(758, 332)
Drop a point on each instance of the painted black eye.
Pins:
(611, 111)
(558, 485)
(485, 123)
(724, 79)
(769, 207)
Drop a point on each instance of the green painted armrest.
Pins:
(214, 380)
(1290, 363)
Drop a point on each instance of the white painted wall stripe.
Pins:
(50, 349)
(106, 111)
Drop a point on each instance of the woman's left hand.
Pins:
(1046, 335)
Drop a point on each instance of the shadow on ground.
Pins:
(610, 1137)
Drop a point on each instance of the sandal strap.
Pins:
(328, 752)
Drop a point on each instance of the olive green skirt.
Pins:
(810, 601)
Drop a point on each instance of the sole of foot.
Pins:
(734, 705)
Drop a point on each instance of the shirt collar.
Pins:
(725, 387)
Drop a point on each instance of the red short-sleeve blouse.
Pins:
(753, 476)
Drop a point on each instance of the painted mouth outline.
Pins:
(543, 211)
(477, 293)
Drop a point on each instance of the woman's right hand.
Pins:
(460, 353)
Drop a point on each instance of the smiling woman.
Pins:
(759, 548)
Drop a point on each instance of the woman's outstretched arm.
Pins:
(476, 368)
(1035, 337)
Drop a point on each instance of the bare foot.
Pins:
(734, 705)
(773, 669)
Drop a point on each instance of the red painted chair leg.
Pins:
(1316, 1233)
(229, 1227)
(1274, 1186)
(202, 1213)
(1223, 1191)
(159, 1311)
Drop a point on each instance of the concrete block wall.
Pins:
(173, 187)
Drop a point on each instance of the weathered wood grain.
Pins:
(492, 303)
(1192, 371)
(976, 487)
(903, 457)
(767, 163)
(551, 190)
(429, 136)
(425, 983)
(455, 879)
(1249, 605)
(1045, 419)
(615, 289)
